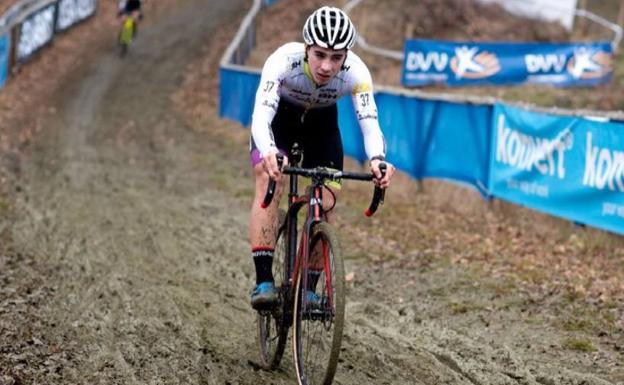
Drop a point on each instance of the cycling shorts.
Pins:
(315, 130)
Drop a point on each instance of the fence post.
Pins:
(15, 33)
(409, 30)
(583, 21)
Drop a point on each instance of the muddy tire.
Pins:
(317, 331)
(273, 325)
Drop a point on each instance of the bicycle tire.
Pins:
(272, 326)
(317, 334)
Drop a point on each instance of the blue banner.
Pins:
(468, 63)
(566, 166)
(4, 58)
(427, 138)
(237, 94)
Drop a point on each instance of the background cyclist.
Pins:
(296, 102)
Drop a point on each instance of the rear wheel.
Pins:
(273, 324)
(317, 328)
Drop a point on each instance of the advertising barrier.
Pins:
(463, 64)
(237, 94)
(35, 32)
(72, 11)
(566, 166)
(556, 162)
(4, 58)
(427, 138)
(30, 25)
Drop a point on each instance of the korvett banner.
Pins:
(566, 166)
(4, 58)
(463, 63)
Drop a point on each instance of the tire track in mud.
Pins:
(137, 239)
(147, 252)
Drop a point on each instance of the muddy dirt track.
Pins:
(129, 261)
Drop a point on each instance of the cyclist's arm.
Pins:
(366, 113)
(265, 108)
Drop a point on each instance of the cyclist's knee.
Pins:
(262, 183)
(262, 180)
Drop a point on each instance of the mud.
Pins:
(125, 259)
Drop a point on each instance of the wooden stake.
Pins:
(583, 20)
(409, 30)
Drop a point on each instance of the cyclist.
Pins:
(296, 102)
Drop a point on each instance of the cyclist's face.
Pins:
(325, 63)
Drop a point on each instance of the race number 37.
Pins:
(268, 86)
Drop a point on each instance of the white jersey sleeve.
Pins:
(361, 85)
(267, 100)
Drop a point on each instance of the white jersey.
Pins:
(285, 75)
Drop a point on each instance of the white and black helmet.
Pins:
(329, 27)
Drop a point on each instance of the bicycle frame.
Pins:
(299, 257)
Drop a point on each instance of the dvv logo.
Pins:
(424, 61)
(545, 63)
(590, 64)
(469, 63)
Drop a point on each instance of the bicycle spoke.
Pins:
(318, 330)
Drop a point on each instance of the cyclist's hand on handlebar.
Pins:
(269, 162)
(379, 181)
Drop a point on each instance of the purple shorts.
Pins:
(257, 158)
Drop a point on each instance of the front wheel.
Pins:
(317, 325)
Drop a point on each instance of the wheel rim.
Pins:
(318, 332)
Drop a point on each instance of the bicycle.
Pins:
(315, 266)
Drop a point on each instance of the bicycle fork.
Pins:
(303, 261)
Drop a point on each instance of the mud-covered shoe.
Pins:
(263, 296)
